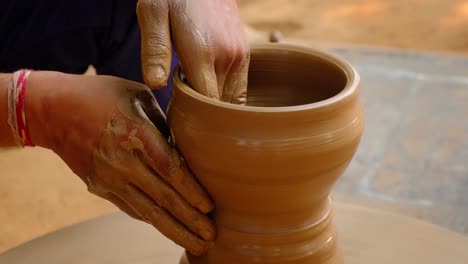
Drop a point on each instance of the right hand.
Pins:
(112, 134)
(210, 41)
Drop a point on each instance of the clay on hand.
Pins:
(112, 133)
(210, 42)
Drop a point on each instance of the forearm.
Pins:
(36, 106)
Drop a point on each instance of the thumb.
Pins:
(153, 18)
(153, 111)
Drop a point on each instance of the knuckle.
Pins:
(143, 6)
(208, 53)
(155, 49)
(168, 202)
(237, 61)
(151, 6)
(177, 5)
(237, 54)
(154, 214)
(230, 51)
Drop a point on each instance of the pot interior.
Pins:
(289, 78)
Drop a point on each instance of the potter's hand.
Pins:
(111, 133)
(209, 39)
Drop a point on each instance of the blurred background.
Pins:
(424, 25)
(413, 158)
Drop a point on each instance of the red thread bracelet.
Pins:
(20, 113)
(16, 99)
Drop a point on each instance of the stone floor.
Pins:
(413, 155)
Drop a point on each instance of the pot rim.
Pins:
(351, 87)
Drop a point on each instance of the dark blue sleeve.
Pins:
(68, 36)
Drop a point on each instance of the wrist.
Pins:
(41, 94)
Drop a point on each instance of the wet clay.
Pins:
(270, 165)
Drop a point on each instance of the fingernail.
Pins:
(157, 75)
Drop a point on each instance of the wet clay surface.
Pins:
(269, 169)
(366, 237)
(291, 81)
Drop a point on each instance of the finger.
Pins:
(164, 222)
(236, 83)
(167, 163)
(153, 111)
(196, 55)
(114, 199)
(175, 172)
(183, 181)
(167, 198)
(223, 66)
(122, 205)
(153, 18)
(202, 78)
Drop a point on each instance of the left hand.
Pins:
(112, 134)
(209, 40)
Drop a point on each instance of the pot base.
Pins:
(313, 244)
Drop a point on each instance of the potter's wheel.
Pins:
(366, 236)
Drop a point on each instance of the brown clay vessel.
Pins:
(270, 165)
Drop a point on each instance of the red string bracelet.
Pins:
(16, 103)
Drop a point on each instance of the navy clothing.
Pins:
(68, 36)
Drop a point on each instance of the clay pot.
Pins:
(269, 166)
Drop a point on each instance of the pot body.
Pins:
(269, 166)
